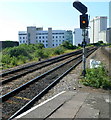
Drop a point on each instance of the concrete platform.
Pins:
(68, 104)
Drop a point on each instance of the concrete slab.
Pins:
(86, 111)
(70, 108)
(45, 109)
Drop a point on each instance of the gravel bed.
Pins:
(20, 81)
(71, 81)
(33, 90)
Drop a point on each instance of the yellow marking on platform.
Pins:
(22, 98)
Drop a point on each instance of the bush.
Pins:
(58, 50)
(68, 45)
(97, 77)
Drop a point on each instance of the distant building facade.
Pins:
(110, 14)
(50, 38)
(98, 28)
(78, 38)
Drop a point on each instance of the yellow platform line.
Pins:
(22, 98)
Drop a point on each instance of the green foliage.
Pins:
(58, 51)
(17, 51)
(40, 45)
(97, 77)
(8, 43)
(39, 53)
(13, 56)
(68, 45)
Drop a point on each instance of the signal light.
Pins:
(84, 21)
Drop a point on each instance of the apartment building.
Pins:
(110, 14)
(50, 38)
(78, 37)
(98, 25)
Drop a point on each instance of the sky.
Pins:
(16, 15)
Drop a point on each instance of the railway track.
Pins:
(17, 73)
(38, 69)
(19, 100)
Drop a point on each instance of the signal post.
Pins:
(83, 25)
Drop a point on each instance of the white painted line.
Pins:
(35, 107)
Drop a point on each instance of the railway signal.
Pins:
(84, 21)
(80, 7)
(83, 25)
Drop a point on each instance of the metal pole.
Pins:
(84, 53)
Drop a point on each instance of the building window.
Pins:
(63, 36)
(39, 40)
(39, 37)
(56, 37)
(53, 36)
(46, 36)
(53, 44)
(20, 38)
(36, 37)
(46, 41)
(43, 41)
(23, 37)
(59, 36)
(43, 37)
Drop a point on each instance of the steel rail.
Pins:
(27, 66)
(50, 59)
(5, 96)
(34, 69)
(38, 96)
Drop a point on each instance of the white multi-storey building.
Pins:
(78, 38)
(50, 38)
(110, 14)
(98, 24)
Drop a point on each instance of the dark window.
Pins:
(43, 37)
(56, 37)
(63, 36)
